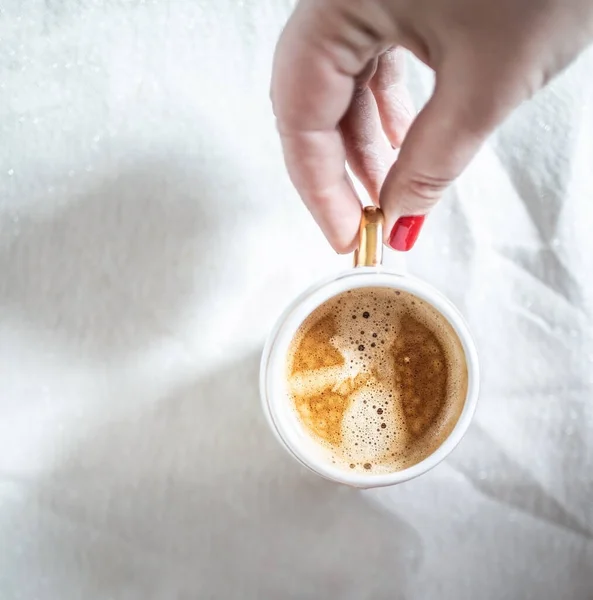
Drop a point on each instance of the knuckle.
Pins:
(428, 188)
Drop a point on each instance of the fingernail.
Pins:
(405, 232)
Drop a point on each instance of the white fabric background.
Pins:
(149, 238)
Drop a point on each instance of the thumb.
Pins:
(444, 137)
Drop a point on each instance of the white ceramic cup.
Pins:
(277, 403)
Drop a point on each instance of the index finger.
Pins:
(318, 55)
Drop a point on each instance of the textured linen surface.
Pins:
(150, 237)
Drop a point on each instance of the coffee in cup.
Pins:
(377, 378)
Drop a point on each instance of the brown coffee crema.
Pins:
(378, 378)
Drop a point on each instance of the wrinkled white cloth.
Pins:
(149, 239)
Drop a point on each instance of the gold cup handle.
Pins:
(370, 238)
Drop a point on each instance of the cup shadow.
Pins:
(193, 493)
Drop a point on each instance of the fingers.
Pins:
(381, 104)
(316, 60)
(442, 140)
(368, 153)
(315, 162)
(391, 94)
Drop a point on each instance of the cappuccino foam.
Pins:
(377, 378)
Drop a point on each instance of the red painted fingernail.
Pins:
(405, 232)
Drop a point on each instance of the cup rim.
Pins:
(283, 332)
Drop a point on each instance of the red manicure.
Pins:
(405, 232)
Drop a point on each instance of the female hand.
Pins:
(338, 83)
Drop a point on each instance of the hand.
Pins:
(338, 83)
